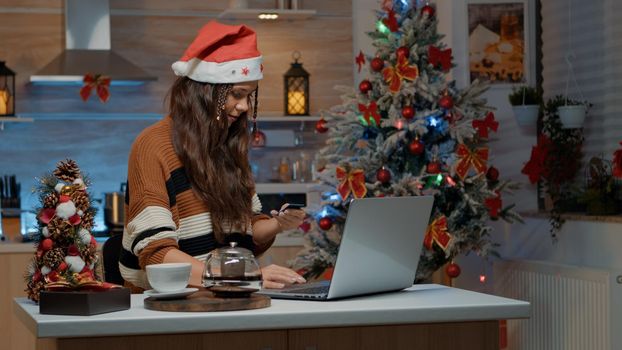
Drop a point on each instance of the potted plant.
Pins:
(601, 190)
(525, 101)
(572, 114)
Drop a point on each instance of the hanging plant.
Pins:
(525, 101)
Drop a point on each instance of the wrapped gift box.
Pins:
(84, 303)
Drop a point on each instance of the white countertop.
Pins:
(418, 304)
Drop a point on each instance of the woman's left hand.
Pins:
(275, 276)
(288, 218)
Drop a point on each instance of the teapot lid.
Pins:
(233, 250)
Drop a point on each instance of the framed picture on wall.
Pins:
(500, 46)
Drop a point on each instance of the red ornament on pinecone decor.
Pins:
(446, 102)
(365, 86)
(320, 126)
(325, 223)
(408, 112)
(383, 175)
(416, 147)
(453, 270)
(377, 64)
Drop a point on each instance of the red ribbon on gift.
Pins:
(437, 232)
(482, 126)
(100, 83)
(437, 56)
(477, 159)
(360, 60)
(351, 181)
(494, 205)
(617, 163)
(391, 21)
(79, 281)
(369, 112)
(402, 70)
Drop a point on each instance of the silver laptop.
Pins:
(379, 250)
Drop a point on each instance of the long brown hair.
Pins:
(214, 154)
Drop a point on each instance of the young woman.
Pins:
(190, 187)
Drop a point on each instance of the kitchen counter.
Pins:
(420, 305)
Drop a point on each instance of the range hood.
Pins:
(87, 49)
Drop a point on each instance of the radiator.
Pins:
(573, 308)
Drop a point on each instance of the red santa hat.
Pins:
(221, 54)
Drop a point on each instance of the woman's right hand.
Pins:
(275, 277)
(288, 219)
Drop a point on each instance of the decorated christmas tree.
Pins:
(66, 252)
(408, 131)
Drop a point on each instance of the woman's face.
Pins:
(238, 100)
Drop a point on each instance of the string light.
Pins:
(382, 28)
(482, 278)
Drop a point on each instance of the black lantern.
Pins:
(296, 88)
(7, 91)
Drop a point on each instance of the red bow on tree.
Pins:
(476, 158)
(402, 70)
(437, 56)
(617, 163)
(391, 21)
(100, 83)
(494, 205)
(351, 181)
(482, 125)
(371, 111)
(437, 232)
(535, 168)
(360, 60)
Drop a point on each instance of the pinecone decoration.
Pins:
(88, 254)
(67, 170)
(50, 201)
(60, 230)
(81, 200)
(53, 257)
(88, 220)
(33, 289)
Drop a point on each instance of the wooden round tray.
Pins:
(203, 301)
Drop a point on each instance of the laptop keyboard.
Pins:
(309, 290)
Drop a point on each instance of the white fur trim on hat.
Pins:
(236, 71)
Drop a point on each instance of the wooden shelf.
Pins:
(16, 119)
(278, 187)
(575, 216)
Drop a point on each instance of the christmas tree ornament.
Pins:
(494, 205)
(99, 83)
(439, 58)
(482, 278)
(402, 70)
(408, 112)
(377, 64)
(468, 158)
(370, 112)
(416, 147)
(482, 126)
(46, 244)
(391, 21)
(365, 86)
(258, 138)
(446, 102)
(325, 223)
(320, 126)
(453, 270)
(437, 233)
(427, 10)
(492, 174)
(383, 175)
(403, 51)
(433, 167)
(360, 60)
(350, 181)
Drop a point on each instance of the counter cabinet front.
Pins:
(421, 317)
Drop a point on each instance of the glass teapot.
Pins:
(232, 266)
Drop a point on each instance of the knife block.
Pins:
(12, 228)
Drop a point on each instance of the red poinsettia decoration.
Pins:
(402, 70)
(535, 168)
(617, 163)
(440, 57)
(391, 21)
(482, 125)
(370, 111)
(100, 83)
(360, 60)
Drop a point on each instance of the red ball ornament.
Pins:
(53, 276)
(446, 102)
(62, 267)
(46, 244)
(427, 10)
(377, 64)
(365, 86)
(383, 175)
(453, 270)
(433, 168)
(416, 147)
(403, 51)
(325, 223)
(492, 174)
(408, 112)
(320, 126)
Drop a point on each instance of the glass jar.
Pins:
(232, 266)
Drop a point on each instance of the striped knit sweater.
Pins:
(162, 211)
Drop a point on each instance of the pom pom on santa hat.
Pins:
(221, 54)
